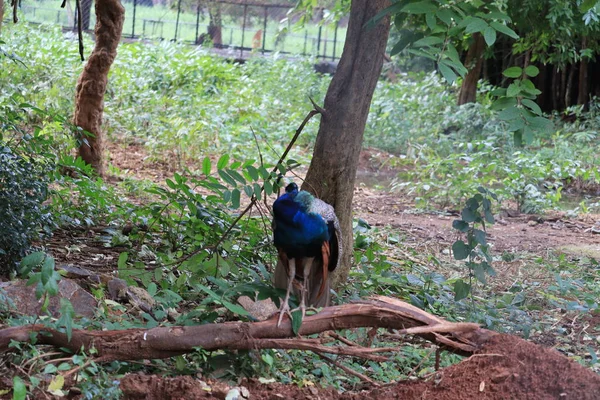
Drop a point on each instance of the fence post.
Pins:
(264, 38)
(133, 25)
(305, 40)
(243, 30)
(319, 41)
(197, 23)
(177, 22)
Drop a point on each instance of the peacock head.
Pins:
(291, 188)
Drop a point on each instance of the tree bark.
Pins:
(164, 342)
(91, 86)
(473, 62)
(584, 88)
(332, 171)
(215, 26)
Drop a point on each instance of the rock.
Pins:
(117, 289)
(24, 299)
(261, 310)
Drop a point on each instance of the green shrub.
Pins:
(24, 188)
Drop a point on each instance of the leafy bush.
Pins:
(24, 183)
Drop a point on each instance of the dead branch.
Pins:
(164, 342)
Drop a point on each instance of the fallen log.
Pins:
(164, 342)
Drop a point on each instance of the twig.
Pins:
(79, 28)
(342, 339)
(348, 370)
(316, 346)
(412, 371)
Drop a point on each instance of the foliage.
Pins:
(24, 169)
(475, 250)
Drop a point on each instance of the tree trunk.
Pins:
(584, 88)
(89, 97)
(333, 168)
(215, 26)
(569, 86)
(473, 62)
(86, 11)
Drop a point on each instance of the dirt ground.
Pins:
(505, 368)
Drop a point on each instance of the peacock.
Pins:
(308, 239)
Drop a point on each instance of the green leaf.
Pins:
(498, 15)
(67, 313)
(447, 72)
(421, 7)
(476, 25)
(468, 215)
(504, 29)
(234, 308)
(587, 5)
(428, 41)
(225, 176)
(235, 198)
(503, 103)
(19, 389)
(296, 321)
(31, 261)
(479, 273)
(480, 236)
(405, 40)
(489, 217)
(461, 290)
(489, 34)
(532, 71)
(513, 90)
(532, 105)
(171, 184)
(223, 161)
(460, 225)
(253, 172)
(431, 21)
(47, 270)
(206, 166)
(122, 262)
(447, 16)
(540, 124)
(236, 175)
(513, 72)
(509, 114)
(460, 250)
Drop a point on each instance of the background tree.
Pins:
(91, 86)
(332, 171)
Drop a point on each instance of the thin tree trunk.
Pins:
(473, 62)
(333, 168)
(89, 98)
(584, 88)
(86, 11)
(569, 86)
(215, 26)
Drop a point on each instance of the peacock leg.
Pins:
(285, 307)
(305, 285)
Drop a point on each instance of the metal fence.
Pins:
(242, 26)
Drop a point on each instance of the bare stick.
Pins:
(349, 370)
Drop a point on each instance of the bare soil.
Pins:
(507, 367)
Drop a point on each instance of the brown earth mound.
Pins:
(507, 367)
